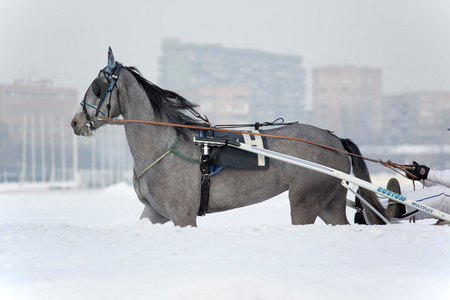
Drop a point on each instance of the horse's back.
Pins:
(310, 151)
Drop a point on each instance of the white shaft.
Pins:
(344, 176)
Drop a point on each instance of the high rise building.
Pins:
(414, 128)
(347, 100)
(275, 81)
(417, 118)
(222, 104)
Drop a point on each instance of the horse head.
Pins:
(150, 102)
(100, 100)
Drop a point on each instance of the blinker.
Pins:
(96, 89)
(100, 88)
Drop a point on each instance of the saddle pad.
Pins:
(229, 156)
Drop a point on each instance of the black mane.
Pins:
(166, 103)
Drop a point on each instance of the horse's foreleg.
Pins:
(153, 216)
(185, 220)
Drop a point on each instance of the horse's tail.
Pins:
(362, 172)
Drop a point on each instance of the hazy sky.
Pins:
(67, 41)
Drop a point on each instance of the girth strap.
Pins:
(205, 168)
(204, 195)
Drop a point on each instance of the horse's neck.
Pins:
(147, 142)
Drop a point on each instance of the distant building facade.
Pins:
(222, 104)
(34, 126)
(38, 145)
(414, 127)
(347, 100)
(401, 128)
(275, 82)
(39, 98)
(417, 118)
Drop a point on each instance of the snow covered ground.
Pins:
(91, 245)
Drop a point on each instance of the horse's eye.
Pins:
(96, 89)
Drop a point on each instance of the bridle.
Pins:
(102, 89)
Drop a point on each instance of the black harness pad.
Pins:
(229, 156)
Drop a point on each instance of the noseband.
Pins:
(102, 89)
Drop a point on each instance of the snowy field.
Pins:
(91, 245)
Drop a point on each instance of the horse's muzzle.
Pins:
(79, 126)
(74, 125)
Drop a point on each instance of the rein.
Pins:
(389, 164)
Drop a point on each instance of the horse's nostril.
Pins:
(74, 124)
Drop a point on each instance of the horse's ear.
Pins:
(111, 61)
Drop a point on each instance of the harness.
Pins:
(206, 169)
(101, 90)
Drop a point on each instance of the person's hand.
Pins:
(420, 171)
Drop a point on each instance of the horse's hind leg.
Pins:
(334, 212)
(153, 216)
(306, 205)
(319, 197)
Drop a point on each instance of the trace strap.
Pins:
(171, 150)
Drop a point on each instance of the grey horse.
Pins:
(168, 183)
